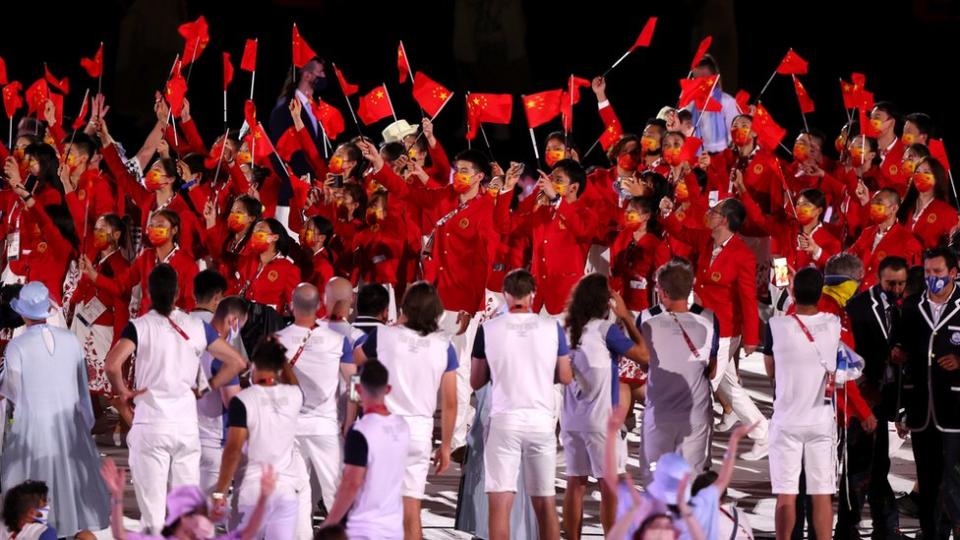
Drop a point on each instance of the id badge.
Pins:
(13, 246)
(90, 311)
(829, 388)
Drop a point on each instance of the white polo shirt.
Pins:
(318, 371)
(377, 443)
(801, 367)
(521, 350)
(167, 364)
(596, 386)
(415, 364)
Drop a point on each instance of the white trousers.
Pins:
(210, 458)
(323, 456)
(726, 383)
(157, 454)
(279, 521)
(463, 346)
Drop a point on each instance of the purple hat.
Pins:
(183, 500)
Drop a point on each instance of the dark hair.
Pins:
(195, 162)
(354, 154)
(231, 305)
(648, 521)
(920, 150)
(254, 209)
(84, 143)
(116, 223)
(684, 115)
(807, 286)
(703, 480)
(816, 198)
(617, 147)
(889, 108)
(292, 79)
(892, 262)
(20, 499)
(163, 287)
(393, 150)
(359, 196)
(890, 192)
(589, 300)
(816, 134)
(478, 160)
(941, 189)
(949, 256)
(422, 308)
(174, 220)
(519, 283)
(46, 157)
(374, 376)
(923, 122)
(63, 220)
(372, 300)
(675, 280)
(207, 284)
(734, 212)
(283, 239)
(709, 62)
(269, 354)
(324, 227)
(574, 172)
(657, 123)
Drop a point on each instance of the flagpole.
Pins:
(407, 60)
(164, 93)
(100, 78)
(86, 94)
(253, 74)
(225, 108)
(568, 126)
(390, 103)
(194, 61)
(466, 99)
(533, 140)
(223, 148)
(432, 118)
(594, 145)
(952, 186)
(764, 89)
(802, 114)
(487, 141)
(350, 106)
(10, 132)
(706, 103)
(617, 63)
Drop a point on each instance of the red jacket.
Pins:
(271, 285)
(633, 264)
(117, 313)
(139, 273)
(897, 241)
(377, 250)
(47, 262)
(784, 232)
(892, 173)
(762, 177)
(934, 224)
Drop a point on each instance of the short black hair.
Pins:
(231, 305)
(734, 212)
(683, 115)
(84, 143)
(372, 300)
(923, 122)
(892, 262)
(374, 376)
(519, 283)
(20, 499)
(948, 255)
(710, 63)
(206, 285)
(269, 354)
(478, 159)
(816, 134)
(422, 308)
(163, 286)
(816, 198)
(574, 172)
(807, 286)
(393, 150)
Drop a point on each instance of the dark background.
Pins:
(907, 50)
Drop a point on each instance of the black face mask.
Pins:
(319, 85)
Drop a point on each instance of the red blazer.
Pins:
(892, 173)
(272, 285)
(762, 177)
(897, 241)
(728, 285)
(47, 262)
(633, 264)
(139, 272)
(783, 232)
(117, 313)
(377, 250)
(933, 226)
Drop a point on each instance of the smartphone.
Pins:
(30, 184)
(354, 385)
(338, 180)
(781, 275)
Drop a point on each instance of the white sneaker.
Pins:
(759, 451)
(726, 422)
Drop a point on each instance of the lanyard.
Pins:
(178, 329)
(686, 337)
(803, 328)
(303, 345)
(249, 282)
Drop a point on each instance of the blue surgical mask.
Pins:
(43, 514)
(935, 284)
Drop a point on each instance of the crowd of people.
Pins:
(284, 337)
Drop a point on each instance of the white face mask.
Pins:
(234, 334)
(43, 514)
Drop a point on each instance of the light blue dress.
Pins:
(44, 379)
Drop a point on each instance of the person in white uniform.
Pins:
(596, 345)
(521, 354)
(801, 358)
(164, 439)
(373, 471)
(262, 424)
(319, 357)
(421, 361)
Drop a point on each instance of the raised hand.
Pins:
(599, 86)
(296, 108)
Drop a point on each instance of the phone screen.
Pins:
(354, 385)
(30, 184)
(781, 277)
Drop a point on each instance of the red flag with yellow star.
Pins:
(37, 96)
(429, 94)
(611, 134)
(403, 65)
(769, 133)
(542, 107)
(792, 64)
(348, 89)
(689, 150)
(743, 101)
(806, 103)
(571, 96)
(330, 117)
(176, 90)
(196, 36)
(490, 108)
(288, 144)
(93, 66)
(249, 60)
(257, 140)
(250, 113)
(11, 98)
(82, 116)
(939, 152)
(302, 53)
(62, 85)
(374, 106)
(698, 90)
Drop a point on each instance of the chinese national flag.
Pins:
(94, 66)
(258, 141)
(743, 101)
(848, 90)
(250, 113)
(938, 152)
(646, 35)
(492, 108)
(865, 100)
(37, 96)
(701, 51)
(196, 36)
(3, 72)
(865, 124)
(542, 107)
(11, 98)
(374, 106)
(403, 65)
(792, 64)
(769, 133)
(698, 90)
(82, 117)
(570, 97)
(57, 100)
(176, 90)
(611, 134)
(288, 144)
(348, 89)
(302, 53)
(806, 104)
(227, 71)
(689, 150)
(249, 60)
(330, 117)
(62, 85)
(429, 94)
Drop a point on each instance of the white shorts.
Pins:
(583, 452)
(502, 452)
(418, 465)
(813, 448)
